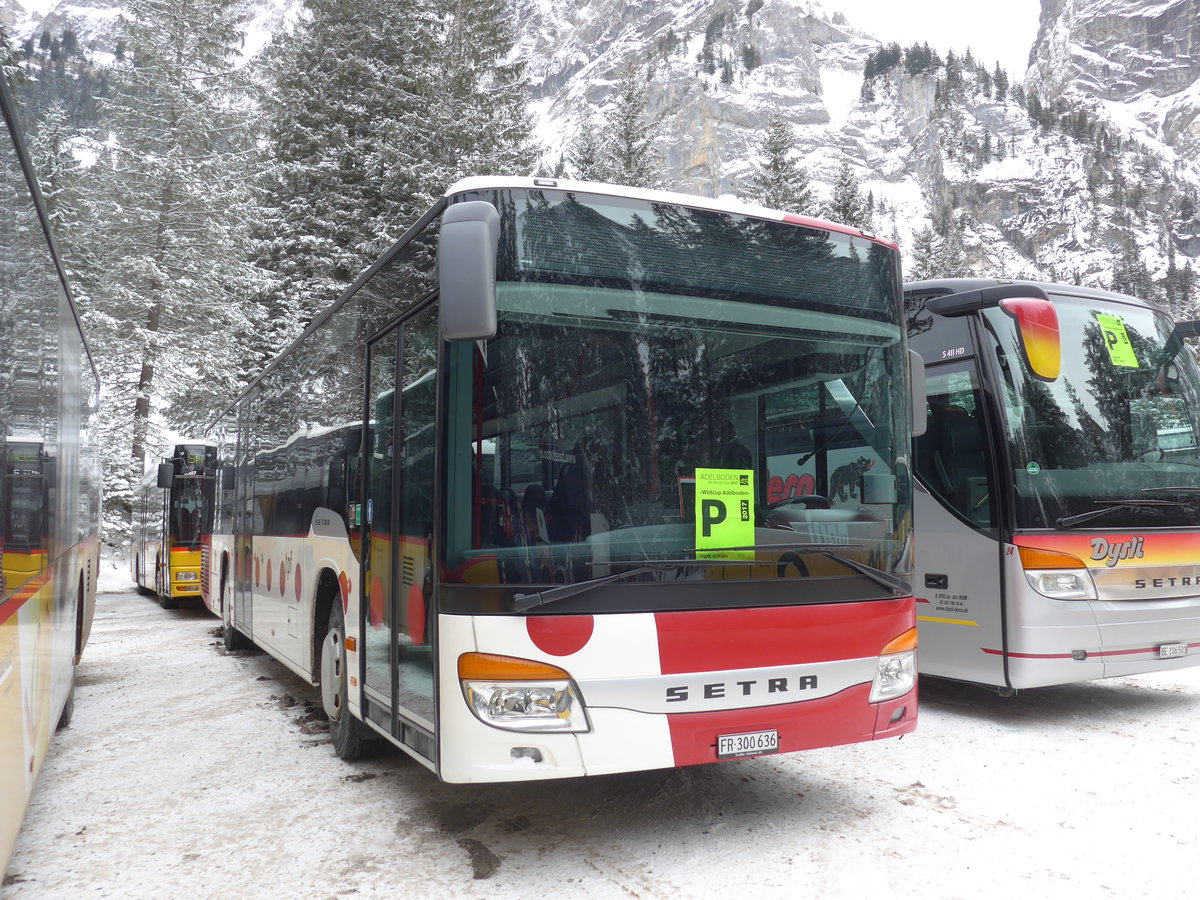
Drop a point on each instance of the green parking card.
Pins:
(1116, 339)
(724, 512)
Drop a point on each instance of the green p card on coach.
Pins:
(724, 513)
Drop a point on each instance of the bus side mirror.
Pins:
(226, 478)
(1189, 328)
(166, 474)
(467, 243)
(916, 375)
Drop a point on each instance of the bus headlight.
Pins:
(1059, 585)
(187, 576)
(520, 694)
(1059, 576)
(896, 671)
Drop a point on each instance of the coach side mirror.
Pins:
(916, 376)
(166, 474)
(467, 243)
(226, 478)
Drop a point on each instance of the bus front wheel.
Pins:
(162, 587)
(350, 739)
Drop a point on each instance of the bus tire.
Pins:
(233, 639)
(68, 710)
(350, 737)
(165, 600)
(138, 574)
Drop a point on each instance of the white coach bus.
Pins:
(619, 487)
(50, 490)
(1058, 501)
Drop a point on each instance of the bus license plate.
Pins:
(752, 743)
(1172, 651)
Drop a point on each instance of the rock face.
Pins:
(1033, 193)
(1142, 56)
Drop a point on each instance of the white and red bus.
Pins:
(172, 516)
(580, 479)
(1058, 502)
(50, 487)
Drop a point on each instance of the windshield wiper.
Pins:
(526, 602)
(1114, 505)
(1182, 488)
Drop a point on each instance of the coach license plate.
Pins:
(1171, 651)
(752, 743)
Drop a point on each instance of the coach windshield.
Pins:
(712, 397)
(1110, 441)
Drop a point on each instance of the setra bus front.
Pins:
(672, 518)
(1059, 528)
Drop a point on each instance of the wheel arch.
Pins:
(327, 592)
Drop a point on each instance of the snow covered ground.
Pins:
(188, 772)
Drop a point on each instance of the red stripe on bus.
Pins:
(1090, 653)
(844, 718)
(715, 640)
(836, 227)
(27, 591)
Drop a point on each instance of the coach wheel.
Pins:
(162, 587)
(350, 738)
(68, 710)
(233, 639)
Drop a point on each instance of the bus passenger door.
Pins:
(399, 453)
(244, 520)
(957, 582)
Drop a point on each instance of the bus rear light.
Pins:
(896, 671)
(521, 694)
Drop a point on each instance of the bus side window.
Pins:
(952, 456)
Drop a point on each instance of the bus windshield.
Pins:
(1110, 442)
(187, 510)
(646, 355)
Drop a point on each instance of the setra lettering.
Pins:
(719, 690)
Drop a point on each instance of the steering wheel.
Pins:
(791, 558)
(808, 501)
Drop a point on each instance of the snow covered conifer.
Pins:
(847, 205)
(778, 180)
(167, 193)
(585, 156)
(633, 157)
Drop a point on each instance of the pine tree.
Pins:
(374, 109)
(167, 193)
(1131, 275)
(349, 159)
(585, 157)
(950, 256)
(481, 122)
(778, 181)
(633, 157)
(60, 178)
(923, 249)
(1000, 80)
(847, 204)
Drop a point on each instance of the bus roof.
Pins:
(499, 182)
(721, 204)
(946, 286)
